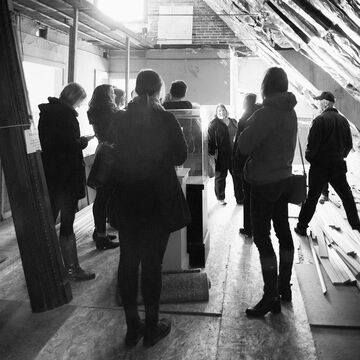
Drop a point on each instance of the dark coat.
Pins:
(269, 139)
(219, 141)
(329, 138)
(62, 156)
(101, 118)
(238, 158)
(148, 149)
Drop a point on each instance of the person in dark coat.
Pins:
(64, 168)
(239, 160)
(221, 136)
(269, 141)
(149, 144)
(329, 143)
(102, 109)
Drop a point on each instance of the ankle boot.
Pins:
(285, 267)
(94, 235)
(70, 259)
(264, 306)
(104, 243)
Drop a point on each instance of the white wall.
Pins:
(205, 71)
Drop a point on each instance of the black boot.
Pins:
(70, 259)
(104, 243)
(270, 300)
(94, 235)
(285, 267)
(156, 332)
(264, 306)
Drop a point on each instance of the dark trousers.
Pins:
(220, 182)
(269, 202)
(335, 174)
(246, 209)
(148, 248)
(65, 204)
(100, 208)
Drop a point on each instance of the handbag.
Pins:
(297, 184)
(102, 169)
(211, 165)
(176, 210)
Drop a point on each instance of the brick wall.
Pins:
(208, 28)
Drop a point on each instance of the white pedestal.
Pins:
(176, 257)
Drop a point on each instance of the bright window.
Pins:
(125, 11)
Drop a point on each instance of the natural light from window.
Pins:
(125, 11)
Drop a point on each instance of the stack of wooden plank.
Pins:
(336, 246)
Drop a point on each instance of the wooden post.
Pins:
(73, 34)
(25, 181)
(127, 71)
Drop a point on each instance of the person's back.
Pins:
(275, 127)
(330, 137)
(146, 152)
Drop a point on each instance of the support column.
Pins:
(73, 34)
(127, 70)
(35, 231)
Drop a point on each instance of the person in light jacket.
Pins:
(269, 140)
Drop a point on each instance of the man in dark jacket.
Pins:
(329, 143)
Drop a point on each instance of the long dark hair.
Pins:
(103, 97)
(148, 85)
(275, 81)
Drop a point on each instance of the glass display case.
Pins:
(196, 139)
(195, 131)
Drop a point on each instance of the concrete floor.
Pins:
(92, 326)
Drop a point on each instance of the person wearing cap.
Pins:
(329, 143)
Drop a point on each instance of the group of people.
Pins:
(258, 152)
(259, 158)
(138, 200)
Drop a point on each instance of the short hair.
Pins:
(275, 81)
(72, 94)
(250, 99)
(148, 82)
(119, 94)
(178, 89)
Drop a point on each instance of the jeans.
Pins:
(65, 204)
(220, 182)
(100, 208)
(269, 202)
(247, 216)
(148, 248)
(335, 174)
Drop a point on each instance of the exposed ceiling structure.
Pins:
(325, 31)
(93, 26)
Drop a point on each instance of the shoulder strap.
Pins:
(301, 154)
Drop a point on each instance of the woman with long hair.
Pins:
(149, 142)
(102, 109)
(221, 136)
(64, 168)
(269, 141)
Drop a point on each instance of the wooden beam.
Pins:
(72, 47)
(38, 244)
(127, 71)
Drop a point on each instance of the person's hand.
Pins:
(83, 141)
